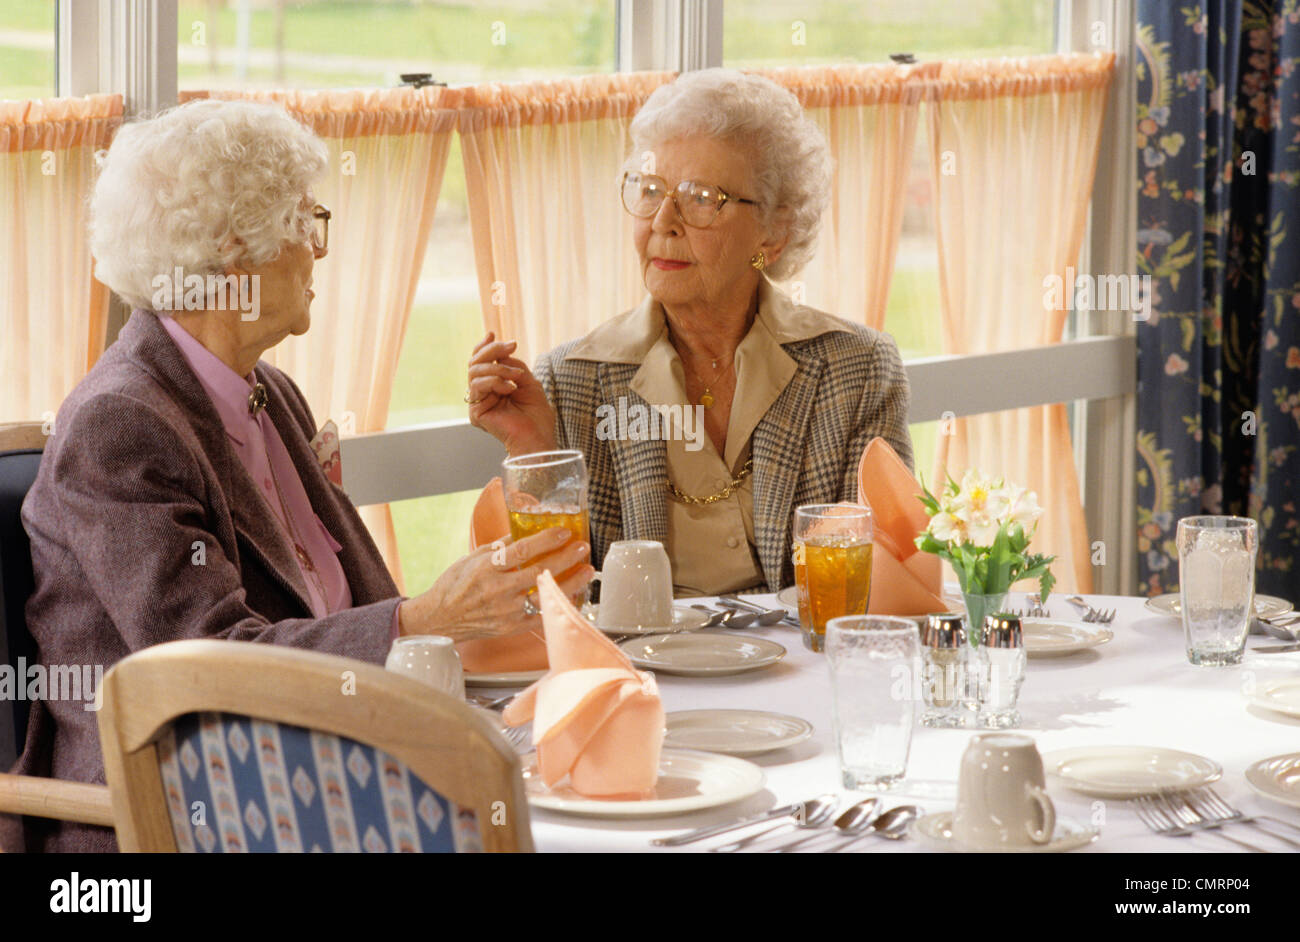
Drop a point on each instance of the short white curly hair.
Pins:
(791, 158)
(178, 188)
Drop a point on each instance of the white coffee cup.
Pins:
(636, 586)
(431, 659)
(1001, 795)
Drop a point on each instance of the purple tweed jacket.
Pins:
(146, 528)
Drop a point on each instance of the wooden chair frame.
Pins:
(22, 436)
(454, 749)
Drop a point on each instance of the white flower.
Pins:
(979, 496)
(945, 527)
(1023, 509)
(983, 529)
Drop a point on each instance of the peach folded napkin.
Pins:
(904, 580)
(596, 718)
(520, 652)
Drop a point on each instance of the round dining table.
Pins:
(1136, 690)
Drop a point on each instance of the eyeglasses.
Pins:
(697, 203)
(320, 228)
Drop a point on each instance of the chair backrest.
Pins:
(20, 457)
(234, 745)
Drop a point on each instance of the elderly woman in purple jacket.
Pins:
(180, 496)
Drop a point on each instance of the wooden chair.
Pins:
(222, 745)
(21, 445)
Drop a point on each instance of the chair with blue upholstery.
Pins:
(21, 445)
(213, 746)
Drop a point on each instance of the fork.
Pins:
(1092, 615)
(1162, 822)
(1189, 819)
(1220, 810)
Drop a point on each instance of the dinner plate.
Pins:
(1277, 778)
(688, 781)
(1129, 771)
(504, 679)
(1281, 696)
(1046, 637)
(936, 831)
(789, 597)
(734, 732)
(702, 653)
(684, 619)
(1266, 606)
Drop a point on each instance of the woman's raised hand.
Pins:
(506, 400)
(483, 595)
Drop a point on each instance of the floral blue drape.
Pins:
(1219, 233)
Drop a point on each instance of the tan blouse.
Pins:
(712, 546)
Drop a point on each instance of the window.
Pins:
(26, 49)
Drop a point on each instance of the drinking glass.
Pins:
(832, 565)
(875, 666)
(547, 489)
(1216, 582)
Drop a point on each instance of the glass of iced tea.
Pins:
(547, 489)
(832, 565)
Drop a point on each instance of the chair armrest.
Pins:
(54, 798)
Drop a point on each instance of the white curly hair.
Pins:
(791, 158)
(178, 189)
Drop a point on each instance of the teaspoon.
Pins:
(853, 821)
(816, 813)
(892, 825)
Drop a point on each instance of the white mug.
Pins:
(636, 586)
(1001, 795)
(431, 659)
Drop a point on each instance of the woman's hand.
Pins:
(481, 596)
(507, 401)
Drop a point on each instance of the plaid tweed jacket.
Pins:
(850, 387)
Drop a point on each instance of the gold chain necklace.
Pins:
(721, 495)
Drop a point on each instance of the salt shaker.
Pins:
(1002, 664)
(943, 680)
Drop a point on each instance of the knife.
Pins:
(1277, 649)
(700, 834)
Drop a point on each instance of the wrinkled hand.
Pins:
(507, 401)
(482, 595)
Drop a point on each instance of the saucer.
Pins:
(1277, 778)
(684, 619)
(1129, 771)
(936, 830)
(1048, 637)
(1266, 606)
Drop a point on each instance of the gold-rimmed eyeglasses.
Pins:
(320, 227)
(697, 203)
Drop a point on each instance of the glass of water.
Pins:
(875, 666)
(1216, 579)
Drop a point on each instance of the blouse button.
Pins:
(733, 542)
(266, 483)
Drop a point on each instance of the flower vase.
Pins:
(977, 606)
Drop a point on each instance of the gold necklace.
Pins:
(721, 495)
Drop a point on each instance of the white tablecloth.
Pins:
(1139, 689)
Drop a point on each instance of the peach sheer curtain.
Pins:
(552, 243)
(1014, 148)
(388, 150)
(869, 115)
(53, 313)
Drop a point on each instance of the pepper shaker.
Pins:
(1002, 663)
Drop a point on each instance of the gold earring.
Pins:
(759, 261)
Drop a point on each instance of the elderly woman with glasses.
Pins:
(181, 494)
(789, 396)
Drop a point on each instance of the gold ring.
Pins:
(469, 400)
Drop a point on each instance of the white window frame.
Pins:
(129, 47)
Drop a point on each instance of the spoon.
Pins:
(853, 821)
(715, 618)
(892, 825)
(765, 616)
(816, 813)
